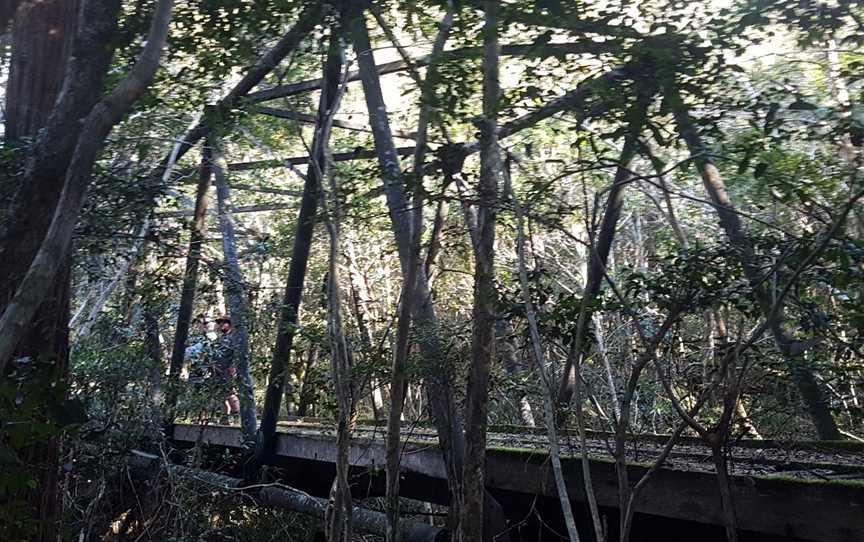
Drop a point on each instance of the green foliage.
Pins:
(32, 415)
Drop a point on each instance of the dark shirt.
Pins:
(222, 357)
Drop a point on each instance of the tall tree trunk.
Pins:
(42, 35)
(790, 348)
(55, 247)
(601, 247)
(339, 516)
(289, 316)
(22, 229)
(193, 259)
(483, 332)
(718, 456)
(42, 40)
(437, 375)
(411, 269)
(235, 289)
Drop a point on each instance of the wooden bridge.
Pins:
(782, 491)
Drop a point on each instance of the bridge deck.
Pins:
(802, 491)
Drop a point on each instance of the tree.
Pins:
(485, 296)
(235, 289)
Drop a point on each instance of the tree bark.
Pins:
(436, 373)
(791, 349)
(33, 88)
(339, 517)
(235, 290)
(290, 312)
(485, 296)
(398, 377)
(42, 36)
(54, 249)
(193, 259)
(35, 279)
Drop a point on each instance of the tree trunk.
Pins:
(42, 39)
(40, 49)
(546, 379)
(367, 521)
(411, 268)
(600, 249)
(339, 517)
(55, 247)
(290, 312)
(485, 296)
(42, 36)
(193, 258)
(235, 289)
(791, 349)
(437, 375)
(45, 170)
(718, 456)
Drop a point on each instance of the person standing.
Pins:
(196, 367)
(223, 370)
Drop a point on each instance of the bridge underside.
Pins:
(772, 508)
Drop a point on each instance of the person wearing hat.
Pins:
(222, 363)
(196, 366)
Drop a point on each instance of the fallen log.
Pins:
(276, 496)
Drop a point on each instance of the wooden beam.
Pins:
(357, 154)
(266, 190)
(310, 119)
(237, 210)
(528, 50)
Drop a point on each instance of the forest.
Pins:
(416, 270)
